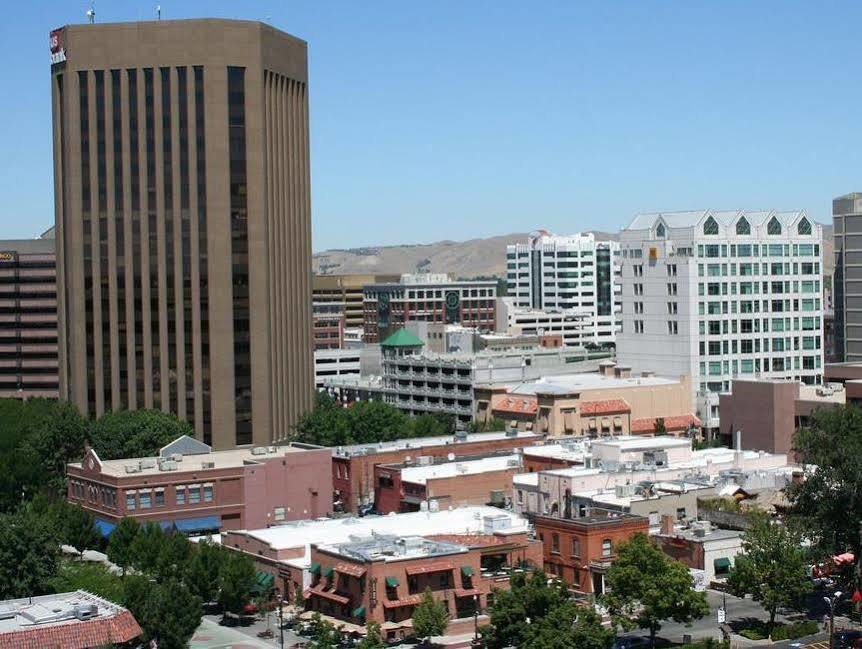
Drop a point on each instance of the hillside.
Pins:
(473, 258)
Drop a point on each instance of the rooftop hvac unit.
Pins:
(625, 490)
(513, 463)
(149, 463)
(433, 506)
(168, 465)
(177, 457)
(425, 460)
(512, 431)
(133, 468)
(493, 524)
(208, 465)
(7, 613)
(498, 497)
(258, 450)
(86, 611)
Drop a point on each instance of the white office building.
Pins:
(574, 274)
(719, 295)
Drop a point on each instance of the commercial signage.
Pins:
(55, 42)
(7, 256)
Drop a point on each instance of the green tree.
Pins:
(89, 576)
(121, 542)
(167, 612)
(647, 587)
(174, 556)
(323, 634)
(828, 502)
(436, 425)
(492, 425)
(75, 526)
(235, 580)
(147, 547)
(203, 570)
(29, 554)
(429, 616)
(376, 421)
(135, 433)
(530, 597)
(327, 424)
(658, 427)
(773, 567)
(568, 625)
(373, 638)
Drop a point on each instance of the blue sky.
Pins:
(453, 119)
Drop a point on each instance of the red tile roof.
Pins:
(431, 566)
(605, 407)
(103, 630)
(647, 425)
(410, 600)
(517, 405)
(349, 569)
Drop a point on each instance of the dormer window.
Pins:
(710, 226)
(660, 231)
(743, 226)
(804, 226)
(773, 227)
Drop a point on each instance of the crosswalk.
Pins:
(818, 645)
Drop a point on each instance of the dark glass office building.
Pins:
(182, 190)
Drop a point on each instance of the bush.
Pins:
(781, 631)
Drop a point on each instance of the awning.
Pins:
(202, 524)
(467, 592)
(327, 572)
(326, 594)
(105, 528)
(263, 583)
(434, 566)
(467, 571)
(359, 612)
(606, 422)
(392, 582)
(410, 600)
(349, 569)
(722, 564)
(315, 569)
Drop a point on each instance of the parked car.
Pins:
(631, 643)
(847, 639)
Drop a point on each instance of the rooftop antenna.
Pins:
(91, 13)
(158, 12)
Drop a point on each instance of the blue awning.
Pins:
(166, 525)
(105, 528)
(202, 524)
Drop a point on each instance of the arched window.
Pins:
(710, 226)
(660, 231)
(804, 226)
(743, 226)
(773, 227)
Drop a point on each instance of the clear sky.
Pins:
(450, 119)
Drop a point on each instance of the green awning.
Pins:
(359, 612)
(315, 568)
(721, 565)
(263, 583)
(467, 571)
(327, 572)
(392, 582)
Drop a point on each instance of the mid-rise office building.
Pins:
(847, 280)
(428, 297)
(346, 291)
(720, 295)
(573, 274)
(28, 318)
(328, 325)
(574, 328)
(181, 166)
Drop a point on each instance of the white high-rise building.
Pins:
(719, 295)
(573, 274)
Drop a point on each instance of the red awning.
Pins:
(327, 594)
(410, 600)
(434, 566)
(349, 569)
(467, 592)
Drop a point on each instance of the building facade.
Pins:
(183, 223)
(576, 274)
(722, 295)
(334, 363)
(28, 318)
(328, 325)
(346, 292)
(429, 298)
(576, 329)
(847, 279)
(198, 490)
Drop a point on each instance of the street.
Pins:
(211, 635)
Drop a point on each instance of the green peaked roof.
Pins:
(402, 338)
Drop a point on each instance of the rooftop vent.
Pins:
(259, 450)
(85, 611)
(177, 457)
(168, 465)
(149, 463)
(133, 468)
(208, 465)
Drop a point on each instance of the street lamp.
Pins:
(476, 620)
(831, 602)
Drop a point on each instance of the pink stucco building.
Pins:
(198, 490)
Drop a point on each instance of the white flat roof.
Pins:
(463, 520)
(421, 474)
(526, 479)
(573, 452)
(421, 442)
(639, 442)
(566, 383)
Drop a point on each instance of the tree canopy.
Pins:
(430, 617)
(568, 625)
(135, 433)
(29, 553)
(647, 587)
(773, 567)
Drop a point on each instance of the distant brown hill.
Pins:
(473, 258)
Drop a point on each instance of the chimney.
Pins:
(667, 524)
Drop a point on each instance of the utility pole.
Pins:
(280, 623)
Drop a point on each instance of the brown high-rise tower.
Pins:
(181, 171)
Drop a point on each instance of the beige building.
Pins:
(182, 198)
(610, 402)
(346, 290)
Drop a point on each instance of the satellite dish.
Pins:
(451, 456)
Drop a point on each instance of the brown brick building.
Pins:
(346, 292)
(28, 318)
(198, 490)
(580, 550)
(182, 199)
(353, 476)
